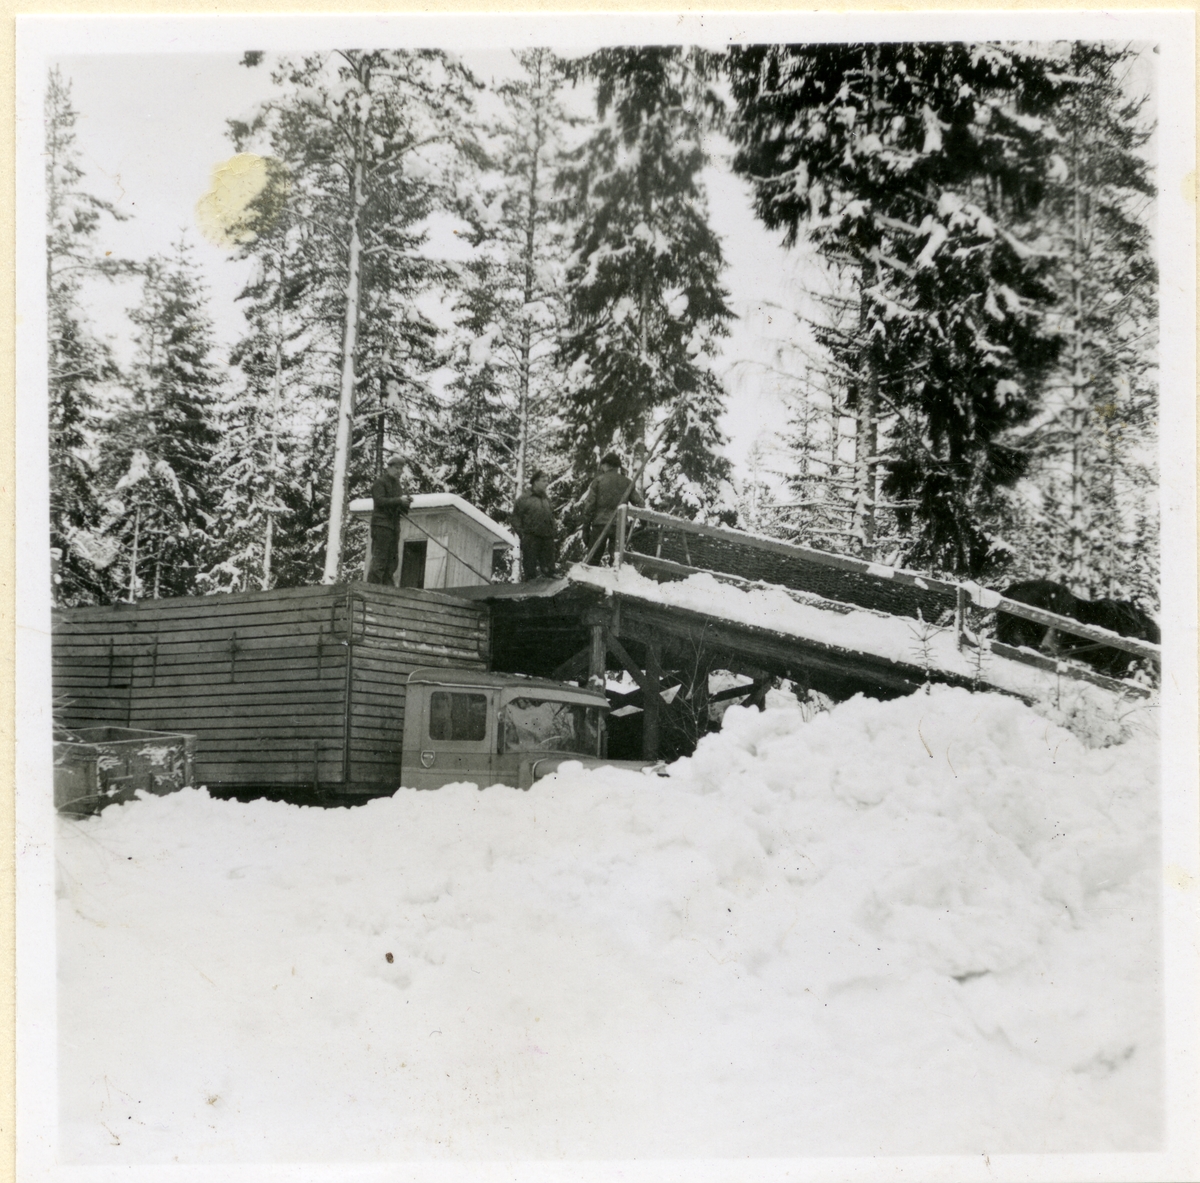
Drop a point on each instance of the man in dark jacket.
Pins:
(533, 521)
(390, 502)
(610, 488)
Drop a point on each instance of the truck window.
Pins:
(454, 716)
(542, 725)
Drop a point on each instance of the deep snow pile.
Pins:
(923, 925)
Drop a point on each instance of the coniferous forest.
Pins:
(971, 384)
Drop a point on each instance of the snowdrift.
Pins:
(923, 925)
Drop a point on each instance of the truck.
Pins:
(468, 725)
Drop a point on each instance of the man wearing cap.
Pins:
(390, 502)
(533, 521)
(610, 488)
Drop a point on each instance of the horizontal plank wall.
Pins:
(301, 686)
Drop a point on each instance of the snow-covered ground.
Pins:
(928, 925)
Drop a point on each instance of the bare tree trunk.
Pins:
(273, 463)
(641, 423)
(529, 269)
(866, 423)
(137, 525)
(341, 447)
(1077, 415)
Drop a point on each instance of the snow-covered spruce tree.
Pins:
(263, 420)
(820, 508)
(78, 361)
(370, 142)
(503, 405)
(158, 445)
(1094, 445)
(476, 449)
(915, 164)
(646, 305)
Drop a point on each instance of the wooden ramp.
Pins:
(838, 625)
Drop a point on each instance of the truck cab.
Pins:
(466, 725)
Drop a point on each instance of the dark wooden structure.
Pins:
(570, 629)
(304, 688)
(295, 688)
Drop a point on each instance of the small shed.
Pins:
(444, 542)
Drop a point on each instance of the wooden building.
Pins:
(293, 688)
(444, 542)
(305, 688)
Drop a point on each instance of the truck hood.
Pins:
(545, 765)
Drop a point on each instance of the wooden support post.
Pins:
(758, 696)
(960, 616)
(622, 528)
(652, 701)
(598, 661)
(700, 700)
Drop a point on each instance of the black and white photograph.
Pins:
(607, 597)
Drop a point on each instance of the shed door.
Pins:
(412, 564)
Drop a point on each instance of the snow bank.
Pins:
(923, 925)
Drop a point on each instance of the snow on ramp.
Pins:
(927, 925)
(830, 622)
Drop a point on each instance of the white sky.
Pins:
(151, 128)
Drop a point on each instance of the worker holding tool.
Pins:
(533, 522)
(390, 501)
(610, 489)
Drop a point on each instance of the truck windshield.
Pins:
(542, 725)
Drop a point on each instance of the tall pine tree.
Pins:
(916, 165)
(1094, 447)
(160, 439)
(79, 362)
(647, 308)
(265, 423)
(504, 403)
(370, 142)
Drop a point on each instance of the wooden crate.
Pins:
(300, 687)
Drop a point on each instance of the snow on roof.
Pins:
(446, 501)
(857, 630)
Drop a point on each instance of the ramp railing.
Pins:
(660, 543)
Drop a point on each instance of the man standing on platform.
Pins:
(610, 488)
(533, 521)
(390, 502)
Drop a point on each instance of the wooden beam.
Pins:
(1051, 665)
(598, 663)
(622, 655)
(652, 703)
(776, 652)
(805, 553)
(733, 692)
(1067, 624)
(576, 665)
